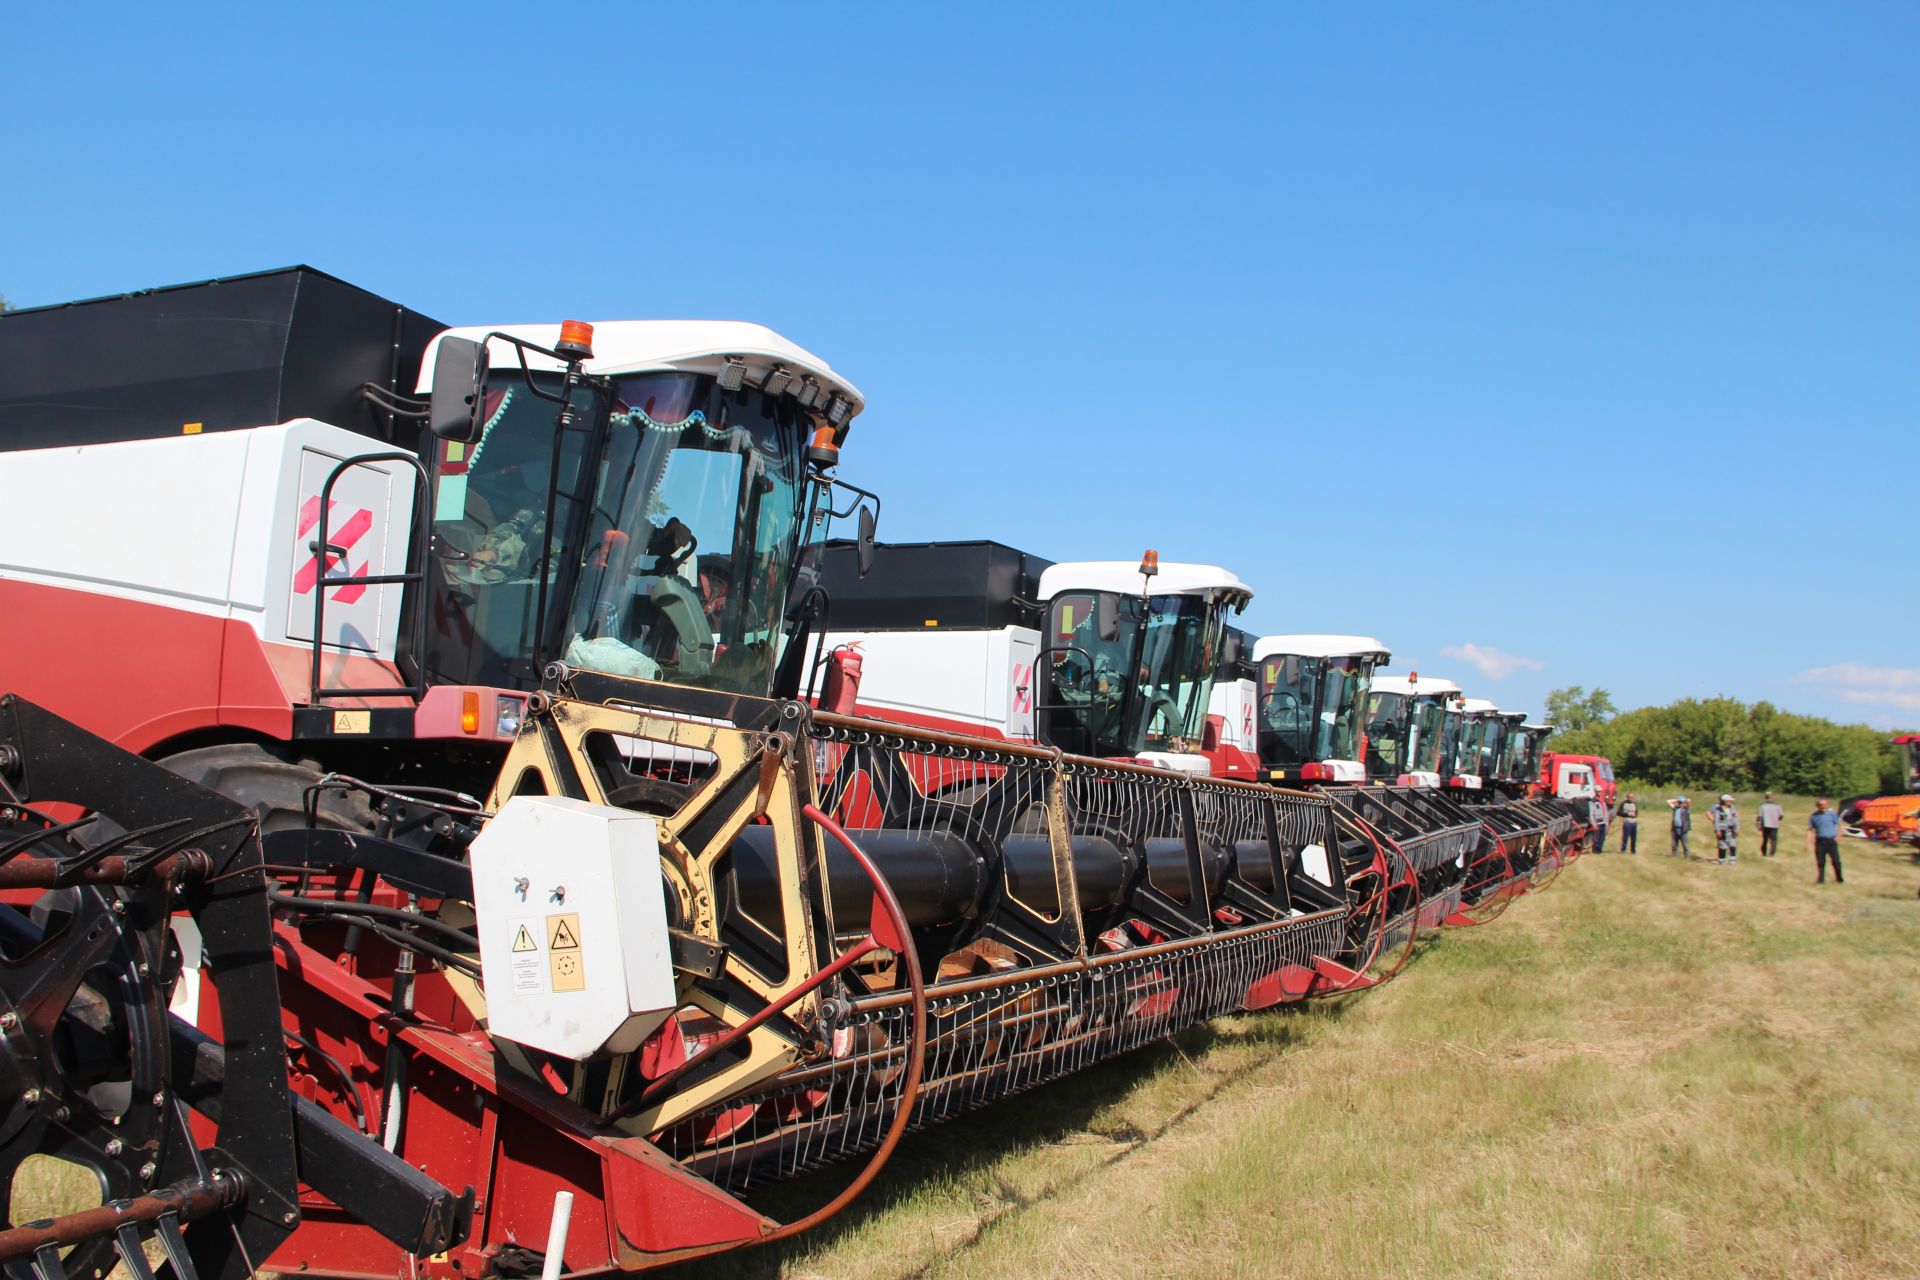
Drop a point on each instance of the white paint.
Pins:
(1123, 577)
(208, 524)
(1319, 646)
(640, 346)
(1313, 861)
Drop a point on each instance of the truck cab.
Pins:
(1560, 772)
(1406, 721)
(1313, 698)
(1102, 658)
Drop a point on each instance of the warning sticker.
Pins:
(529, 966)
(565, 965)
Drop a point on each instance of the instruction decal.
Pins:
(563, 941)
(529, 966)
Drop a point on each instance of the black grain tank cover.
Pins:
(1237, 666)
(244, 351)
(920, 585)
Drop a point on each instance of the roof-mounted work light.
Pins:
(733, 374)
(777, 380)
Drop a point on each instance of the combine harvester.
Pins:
(419, 856)
(1104, 660)
(1314, 696)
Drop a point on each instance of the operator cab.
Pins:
(651, 519)
(1130, 655)
(1313, 697)
(1470, 762)
(1406, 722)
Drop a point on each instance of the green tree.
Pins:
(4, 304)
(1574, 710)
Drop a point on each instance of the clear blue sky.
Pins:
(1591, 336)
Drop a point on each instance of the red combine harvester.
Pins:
(419, 857)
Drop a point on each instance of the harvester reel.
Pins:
(89, 1053)
(83, 1055)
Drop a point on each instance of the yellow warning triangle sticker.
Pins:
(563, 938)
(523, 941)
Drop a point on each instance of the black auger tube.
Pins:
(937, 875)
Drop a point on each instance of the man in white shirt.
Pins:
(1771, 815)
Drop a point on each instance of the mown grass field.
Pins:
(1654, 1068)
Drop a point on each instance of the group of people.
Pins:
(1823, 830)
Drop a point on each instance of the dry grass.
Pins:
(1655, 1068)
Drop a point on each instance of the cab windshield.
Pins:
(1452, 729)
(1493, 745)
(1473, 734)
(1310, 708)
(671, 552)
(1430, 720)
(1388, 719)
(1144, 690)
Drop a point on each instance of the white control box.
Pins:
(569, 906)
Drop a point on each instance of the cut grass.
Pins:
(1654, 1068)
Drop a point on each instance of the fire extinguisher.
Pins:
(840, 687)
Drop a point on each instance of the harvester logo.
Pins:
(343, 534)
(1022, 687)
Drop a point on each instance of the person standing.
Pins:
(1726, 830)
(1682, 823)
(1629, 814)
(1770, 817)
(1597, 814)
(1823, 830)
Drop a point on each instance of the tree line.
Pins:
(1725, 744)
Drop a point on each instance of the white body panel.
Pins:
(572, 925)
(1420, 778)
(212, 524)
(1123, 577)
(1319, 646)
(637, 346)
(983, 680)
(1235, 701)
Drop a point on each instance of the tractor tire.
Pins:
(272, 785)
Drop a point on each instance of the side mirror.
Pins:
(864, 549)
(459, 384)
(1232, 650)
(1106, 616)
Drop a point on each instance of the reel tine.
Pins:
(167, 1227)
(132, 1250)
(46, 1263)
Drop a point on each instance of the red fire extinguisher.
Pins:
(840, 688)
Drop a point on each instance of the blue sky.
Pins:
(1582, 342)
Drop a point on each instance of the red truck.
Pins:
(1554, 766)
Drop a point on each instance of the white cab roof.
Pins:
(1478, 706)
(1530, 725)
(1320, 647)
(1123, 577)
(1428, 686)
(637, 346)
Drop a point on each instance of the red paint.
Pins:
(137, 674)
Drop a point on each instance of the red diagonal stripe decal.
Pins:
(344, 537)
